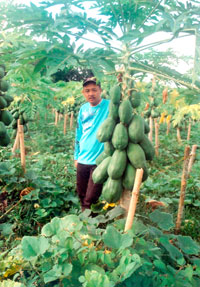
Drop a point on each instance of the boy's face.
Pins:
(92, 94)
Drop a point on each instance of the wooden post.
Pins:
(168, 127)
(56, 118)
(189, 130)
(71, 120)
(65, 123)
(134, 199)
(22, 147)
(178, 135)
(192, 158)
(156, 137)
(183, 188)
(16, 143)
(151, 129)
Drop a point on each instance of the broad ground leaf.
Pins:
(34, 246)
(163, 219)
(188, 245)
(174, 253)
(52, 227)
(114, 239)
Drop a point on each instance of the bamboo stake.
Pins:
(156, 138)
(151, 129)
(71, 120)
(56, 118)
(16, 143)
(134, 199)
(178, 135)
(189, 131)
(192, 158)
(183, 188)
(22, 147)
(65, 124)
(168, 127)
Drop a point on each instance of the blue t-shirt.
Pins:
(87, 147)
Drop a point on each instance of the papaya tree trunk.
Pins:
(178, 135)
(16, 143)
(168, 127)
(189, 131)
(151, 129)
(192, 158)
(71, 120)
(183, 188)
(56, 118)
(134, 199)
(156, 137)
(65, 123)
(22, 147)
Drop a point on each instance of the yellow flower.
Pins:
(108, 205)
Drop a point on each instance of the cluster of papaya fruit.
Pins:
(152, 109)
(5, 115)
(126, 145)
(75, 107)
(20, 114)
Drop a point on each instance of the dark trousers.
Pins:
(87, 190)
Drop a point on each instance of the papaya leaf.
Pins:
(163, 219)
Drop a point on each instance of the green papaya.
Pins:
(147, 113)
(105, 131)
(136, 129)
(6, 117)
(4, 85)
(117, 164)
(14, 133)
(25, 128)
(155, 114)
(101, 157)
(147, 148)
(16, 115)
(125, 112)
(8, 98)
(2, 129)
(146, 127)
(115, 94)
(100, 173)
(120, 137)
(113, 111)
(108, 148)
(155, 102)
(136, 155)
(135, 99)
(112, 190)
(14, 124)
(129, 177)
(5, 140)
(2, 72)
(3, 103)
(145, 173)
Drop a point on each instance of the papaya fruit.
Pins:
(136, 155)
(108, 148)
(5, 140)
(8, 98)
(120, 137)
(147, 113)
(136, 129)
(115, 94)
(147, 148)
(100, 173)
(146, 127)
(125, 112)
(14, 133)
(2, 129)
(105, 131)
(135, 99)
(14, 124)
(113, 111)
(4, 85)
(3, 102)
(145, 173)
(117, 164)
(16, 115)
(6, 117)
(155, 114)
(129, 177)
(112, 190)
(101, 157)
(2, 72)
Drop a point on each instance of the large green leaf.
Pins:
(114, 239)
(34, 246)
(163, 219)
(187, 245)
